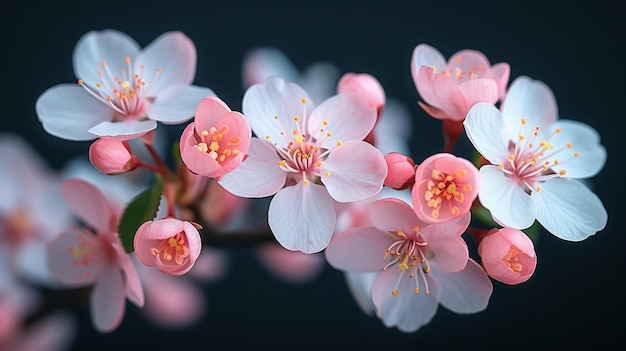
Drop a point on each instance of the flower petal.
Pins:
(529, 99)
(264, 62)
(357, 171)
(445, 241)
(258, 175)
(586, 141)
(360, 286)
(107, 301)
(359, 250)
(67, 111)
(487, 132)
(109, 46)
(501, 73)
(479, 90)
(134, 289)
(88, 202)
(274, 97)
(569, 210)
(177, 103)
(505, 199)
(441, 92)
(467, 291)
(391, 215)
(407, 311)
(125, 130)
(426, 55)
(175, 54)
(291, 266)
(343, 117)
(71, 258)
(302, 217)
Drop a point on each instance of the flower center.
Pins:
(447, 188)
(217, 143)
(531, 158)
(16, 227)
(511, 260)
(408, 252)
(462, 71)
(126, 94)
(92, 248)
(172, 250)
(302, 155)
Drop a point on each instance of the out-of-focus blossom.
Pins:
(536, 161)
(292, 266)
(401, 171)
(169, 244)
(123, 90)
(31, 209)
(318, 79)
(217, 141)
(416, 257)
(451, 88)
(112, 157)
(445, 188)
(94, 256)
(508, 255)
(309, 158)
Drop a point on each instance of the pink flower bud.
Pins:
(169, 244)
(401, 171)
(445, 188)
(508, 255)
(112, 157)
(365, 85)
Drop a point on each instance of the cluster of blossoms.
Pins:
(329, 153)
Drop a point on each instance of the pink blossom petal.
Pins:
(177, 103)
(125, 130)
(52, 333)
(134, 289)
(467, 291)
(292, 266)
(175, 54)
(468, 61)
(357, 171)
(529, 99)
(479, 90)
(209, 110)
(107, 300)
(302, 217)
(75, 259)
(433, 111)
(88, 202)
(443, 91)
(264, 62)
(486, 130)
(444, 239)
(569, 210)
(212, 265)
(346, 116)
(586, 141)
(275, 97)
(258, 175)
(110, 46)
(359, 250)
(407, 311)
(67, 111)
(501, 73)
(391, 215)
(505, 199)
(426, 55)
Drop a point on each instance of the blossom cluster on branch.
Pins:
(327, 157)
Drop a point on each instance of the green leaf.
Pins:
(141, 209)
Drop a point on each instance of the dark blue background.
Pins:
(575, 298)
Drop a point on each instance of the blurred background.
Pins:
(576, 296)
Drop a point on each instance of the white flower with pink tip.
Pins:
(420, 265)
(309, 157)
(94, 256)
(536, 160)
(123, 90)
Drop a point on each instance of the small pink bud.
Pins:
(365, 85)
(401, 171)
(169, 244)
(112, 157)
(508, 255)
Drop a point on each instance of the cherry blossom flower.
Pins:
(536, 161)
(112, 156)
(169, 244)
(123, 90)
(445, 188)
(309, 158)
(365, 84)
(431, 259)
(508, 255)
(291, 266)
(217, 141)
(82, 257)
(401, 171)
